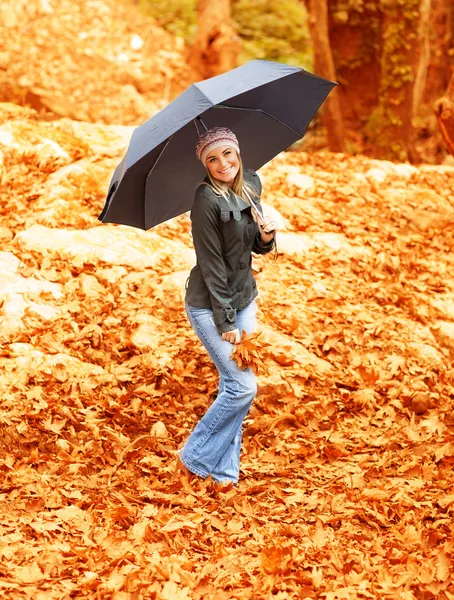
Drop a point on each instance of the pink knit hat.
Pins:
(213, 138)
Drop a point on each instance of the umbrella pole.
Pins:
(197, 127)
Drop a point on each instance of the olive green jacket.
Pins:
(224, 235)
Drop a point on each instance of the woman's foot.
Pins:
(181, 471)
(224, 486)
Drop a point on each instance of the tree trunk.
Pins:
(423, 54)
(216, 45)
(444, 110)
(383, 72)
(394, 116)
(441, 49)
(355, 39)
(324, 66)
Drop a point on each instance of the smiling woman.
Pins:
(227, 227)
(219, 151)
(223, 164)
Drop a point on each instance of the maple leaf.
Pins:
(247, 354)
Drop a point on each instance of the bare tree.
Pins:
(324, 66)
(216, 45)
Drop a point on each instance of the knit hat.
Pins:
(213, 138)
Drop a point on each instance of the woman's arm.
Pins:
(260, 247)
(206, 234)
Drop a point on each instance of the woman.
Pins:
(220, 297)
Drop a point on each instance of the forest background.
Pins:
(392, 60)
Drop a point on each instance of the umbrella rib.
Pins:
(258, 110)
(151, 171)
(159, 155)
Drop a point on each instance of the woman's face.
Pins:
(223, 164)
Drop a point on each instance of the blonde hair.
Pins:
(239, 187)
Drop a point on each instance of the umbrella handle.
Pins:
(254, 206)
(258, 211)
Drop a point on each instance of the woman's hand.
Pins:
(267, 229)
(233, 337)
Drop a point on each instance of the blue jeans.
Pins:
(213, 448)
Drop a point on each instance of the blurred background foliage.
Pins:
(269, 29)
(177, 16)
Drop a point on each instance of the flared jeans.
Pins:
(213, 448)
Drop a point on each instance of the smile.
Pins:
(225, 171)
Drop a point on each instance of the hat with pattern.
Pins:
(213, 138)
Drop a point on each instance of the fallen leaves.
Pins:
(347, 464)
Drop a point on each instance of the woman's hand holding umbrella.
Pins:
(267, 228)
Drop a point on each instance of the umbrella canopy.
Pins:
(267, 105)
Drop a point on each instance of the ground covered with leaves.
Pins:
(347, 481)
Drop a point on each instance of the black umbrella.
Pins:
(267, 105)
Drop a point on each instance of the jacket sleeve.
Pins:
(206, 235)
(259, 247)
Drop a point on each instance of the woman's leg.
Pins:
(214, 445)
(228, 467)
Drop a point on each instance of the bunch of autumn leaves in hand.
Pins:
(248, 352)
